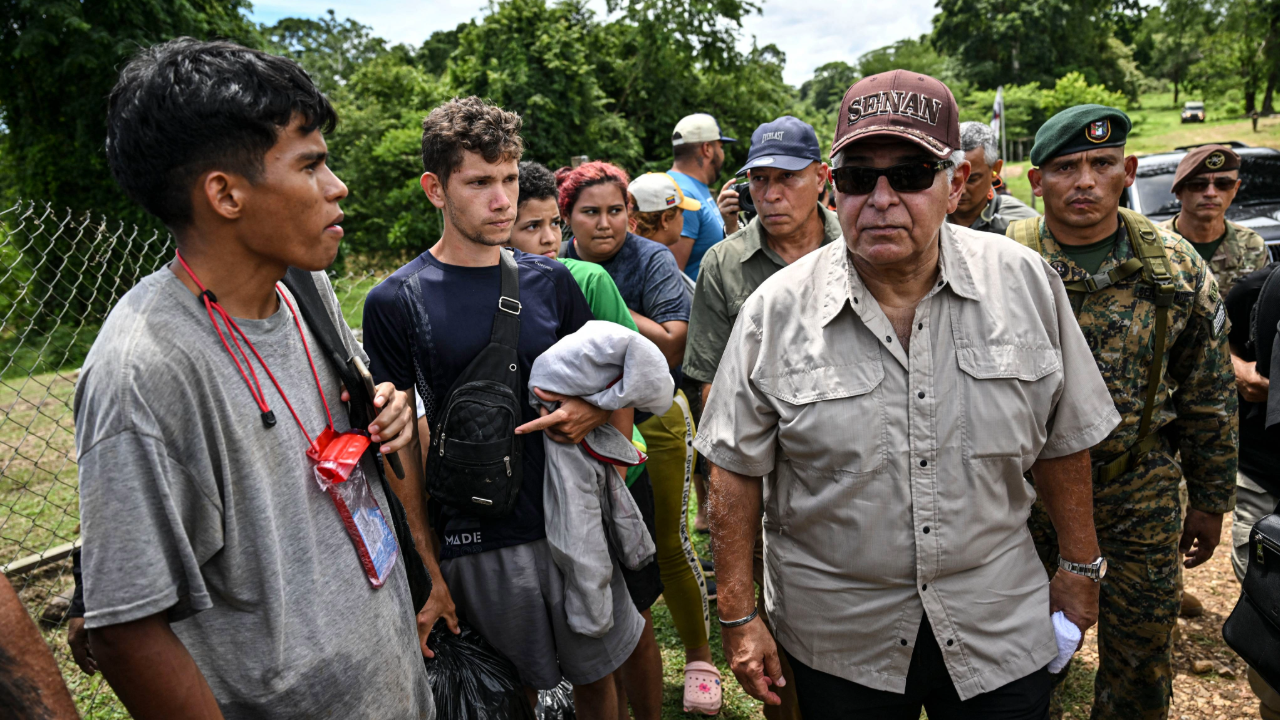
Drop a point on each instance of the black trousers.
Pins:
(928, 686)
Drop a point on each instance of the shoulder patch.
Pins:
(1219, 319)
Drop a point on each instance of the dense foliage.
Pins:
(610, 86)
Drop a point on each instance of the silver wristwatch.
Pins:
(1094, 570)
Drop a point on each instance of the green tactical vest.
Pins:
(1153, 263)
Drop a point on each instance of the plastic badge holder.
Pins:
(337, 471)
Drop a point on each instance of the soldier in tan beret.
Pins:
(1206, 182)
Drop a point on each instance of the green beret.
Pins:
(1080, 128)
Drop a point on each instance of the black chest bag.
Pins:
(474, 460)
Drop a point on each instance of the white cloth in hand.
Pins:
(1068, 640)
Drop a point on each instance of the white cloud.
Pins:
(815, 32)
(810, 32)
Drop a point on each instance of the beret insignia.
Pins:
(1215, 160)
(1098, 131)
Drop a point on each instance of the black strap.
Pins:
(312, 309)
(506, 322)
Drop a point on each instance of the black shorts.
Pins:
(928, 686)
(645, 584)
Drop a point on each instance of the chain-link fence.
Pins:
(59, 276)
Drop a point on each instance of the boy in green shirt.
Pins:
(537, 231)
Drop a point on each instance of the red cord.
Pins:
(255, 386)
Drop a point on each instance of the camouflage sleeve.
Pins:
(1258, 257)
(1206, 426)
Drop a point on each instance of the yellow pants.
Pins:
(671, 456)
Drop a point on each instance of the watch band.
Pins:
(1094, 570)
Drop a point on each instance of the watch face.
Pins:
(1102, 568)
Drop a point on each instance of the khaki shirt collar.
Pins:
(843, 287)
(754, 242)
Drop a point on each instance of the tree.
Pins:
(916, 55)
(329, 49)
(826, 88)
(376, 151)
(536, 60)
(61, 58)
(1002, 42)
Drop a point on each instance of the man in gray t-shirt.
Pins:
(220, 579)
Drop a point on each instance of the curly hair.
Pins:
(649, 224)
(537, 182)
(572, 181)
(472, 124)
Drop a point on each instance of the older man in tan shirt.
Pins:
(882, 398)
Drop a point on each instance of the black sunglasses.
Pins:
(907, 177)
(1199, 185)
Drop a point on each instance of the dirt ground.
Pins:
(1221, 693)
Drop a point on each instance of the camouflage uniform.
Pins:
(1242, 251)
(1138, 514)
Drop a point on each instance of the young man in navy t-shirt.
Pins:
(499, 572)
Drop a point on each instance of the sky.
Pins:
(810, 32)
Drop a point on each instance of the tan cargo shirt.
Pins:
(893, 479)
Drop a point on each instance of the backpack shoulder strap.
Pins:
(1156, 271)
(1026, 232)
(506, 322)
(311, 307)
(1147, 245)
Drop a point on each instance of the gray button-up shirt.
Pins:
(895, 478)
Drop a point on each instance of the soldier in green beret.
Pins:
(1151, 312)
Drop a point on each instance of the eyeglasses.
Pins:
(907, 177)
(1199, 185)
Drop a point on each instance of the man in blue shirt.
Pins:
(498, 571)
(698, 146)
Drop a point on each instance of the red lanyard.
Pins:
(255, 388)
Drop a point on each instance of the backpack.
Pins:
(474, 459)
(311, 307)
(1153, 263)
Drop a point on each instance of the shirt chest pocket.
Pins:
(831, 419)
(1005, 398)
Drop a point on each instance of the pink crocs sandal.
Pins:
(701, 688)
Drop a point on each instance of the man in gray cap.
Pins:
(980, 207)
(1156, 325)
(879, 400)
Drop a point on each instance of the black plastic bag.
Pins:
(556, 703)
(471, 680)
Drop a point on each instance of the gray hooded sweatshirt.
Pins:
(587, 505)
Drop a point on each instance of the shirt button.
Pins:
(888, 339)
(904, 642)
(950, 643)
(924, 463)
(924, 587)
(855, 301)
(926, 529)
(920, 326)
(920, 394)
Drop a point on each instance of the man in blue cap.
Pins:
(785, 175)
(1151, 312)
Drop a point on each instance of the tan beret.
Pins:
(1205, 159)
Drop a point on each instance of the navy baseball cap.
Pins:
(787, 143)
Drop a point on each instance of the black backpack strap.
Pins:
(312, 309)
(506, 322)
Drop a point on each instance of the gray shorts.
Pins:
(515, 598)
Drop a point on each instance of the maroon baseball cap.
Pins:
(900, 104)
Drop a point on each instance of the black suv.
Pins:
(1257, 206)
